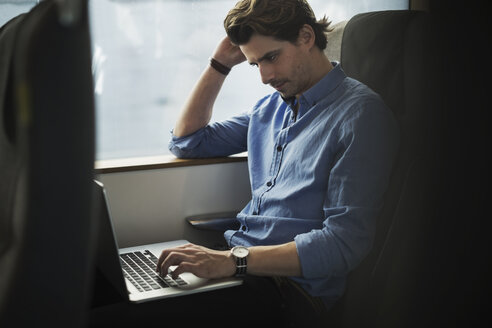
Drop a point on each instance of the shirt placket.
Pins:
(278, 151)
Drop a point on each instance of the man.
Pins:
(320, 151)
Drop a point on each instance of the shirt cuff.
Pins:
(184, 146)
(315, 256)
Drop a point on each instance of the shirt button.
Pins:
(269, 184)
(243, 228)
(279, 148)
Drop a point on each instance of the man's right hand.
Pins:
(228, 54)
(197, 110)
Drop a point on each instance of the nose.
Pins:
(267, 73)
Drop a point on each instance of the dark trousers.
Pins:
(258, 302)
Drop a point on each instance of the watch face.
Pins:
(240, 251)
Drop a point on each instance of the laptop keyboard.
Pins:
(139, 269)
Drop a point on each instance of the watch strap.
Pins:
(241, 266)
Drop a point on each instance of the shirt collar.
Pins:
(321, 89)
(325, 86)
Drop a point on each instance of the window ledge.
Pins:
(159, 162)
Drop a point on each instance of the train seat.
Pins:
(390, 52)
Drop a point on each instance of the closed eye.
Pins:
(271, 58)
(268, 57)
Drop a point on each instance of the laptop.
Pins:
(131, 270)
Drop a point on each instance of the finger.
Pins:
(161, 259)
(174, 258)
(165, 253)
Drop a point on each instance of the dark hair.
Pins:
(281, 19)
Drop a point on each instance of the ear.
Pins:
(306, 36)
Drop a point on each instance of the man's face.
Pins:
(282, 64)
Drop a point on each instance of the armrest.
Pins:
(217, 221)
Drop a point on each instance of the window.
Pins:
(11, 8)
(148, 55)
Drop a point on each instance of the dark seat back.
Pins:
(9, 134)
(47, 158)
(390, 52)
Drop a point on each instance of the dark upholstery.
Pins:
(46, 168)
(390, 51)
(9, 152)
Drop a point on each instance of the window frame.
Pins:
(160, 162)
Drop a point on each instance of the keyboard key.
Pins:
(139, 269)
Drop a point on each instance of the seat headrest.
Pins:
(386, 50)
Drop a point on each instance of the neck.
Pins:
(319, 66)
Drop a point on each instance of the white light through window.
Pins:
(148, 55)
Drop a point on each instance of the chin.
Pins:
(286, 95)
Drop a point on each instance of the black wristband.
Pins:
(221, 68)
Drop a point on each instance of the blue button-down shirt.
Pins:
(317, 178)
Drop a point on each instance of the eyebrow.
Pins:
(265, 56)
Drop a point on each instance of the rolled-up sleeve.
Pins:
(214, 140)
(357, 181)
